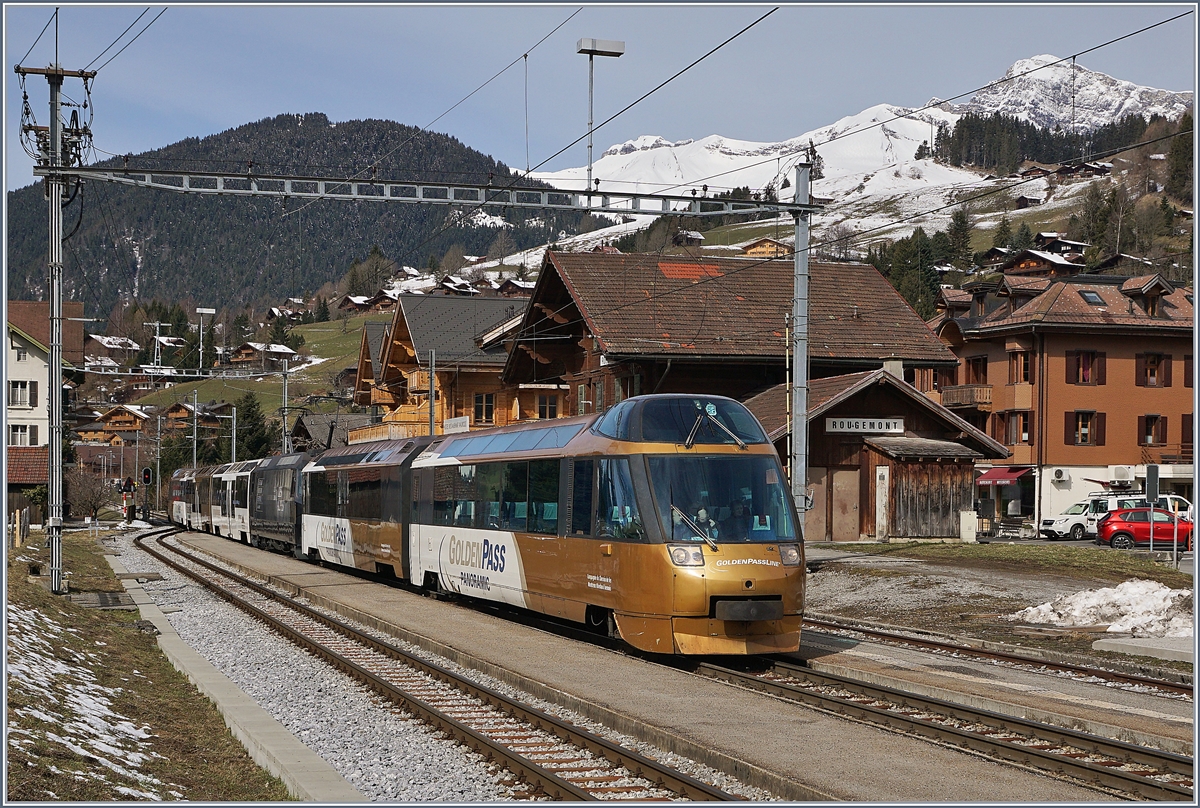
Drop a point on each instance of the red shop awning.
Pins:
(1002, 475)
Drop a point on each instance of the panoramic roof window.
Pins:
(1091, 298)
(682, 419)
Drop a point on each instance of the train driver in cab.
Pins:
(736, 526)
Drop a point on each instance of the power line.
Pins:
(130, 42)
(455, 105)
(118, 39)
(39, 36)
(910, 113)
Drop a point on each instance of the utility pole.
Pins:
(202, 312)
(594, 48)
(195, 423)
(432, 387)
(233, 438)
(51, 155)
(286, 448)
(157, 326)
(158, 466)
(798, 462)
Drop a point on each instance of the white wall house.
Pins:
(27, 421)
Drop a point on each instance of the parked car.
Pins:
(1102, 503)
(1127, 528)
(1070, 523)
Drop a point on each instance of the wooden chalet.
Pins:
(883, 459)
(766, 248)
(260, 354)
(613, 326)
(468, 356)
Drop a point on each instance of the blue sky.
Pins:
(204, 69)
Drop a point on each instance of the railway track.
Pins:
(552, 757)
(1173, 687)
(1114, 766)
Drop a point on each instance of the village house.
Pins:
(395, 365)
(261, 355)
(179, 416)
(1086, 379)
(120, 349)
(319, 431)
(26, 468)
(883, 459)
(608, 327)
(27, 367)
(766, 248)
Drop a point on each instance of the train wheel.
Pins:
(600, 621)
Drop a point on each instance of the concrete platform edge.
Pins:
(1177, 746)
(307, 776)
(746, 772)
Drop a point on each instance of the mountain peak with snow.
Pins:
(1053, 92)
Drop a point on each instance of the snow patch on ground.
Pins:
(1140, 608)
(72, 709)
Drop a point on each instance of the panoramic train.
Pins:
(666, 520)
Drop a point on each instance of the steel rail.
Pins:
(1087, 771)
(1005, 656)
(537, 776)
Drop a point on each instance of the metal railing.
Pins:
(1168, 454)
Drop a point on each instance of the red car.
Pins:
(1130, 527)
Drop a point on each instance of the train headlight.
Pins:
(789, 554)
(684, 555)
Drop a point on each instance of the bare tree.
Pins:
(87, 493)
(837, 242)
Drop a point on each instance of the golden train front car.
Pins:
(720, 567)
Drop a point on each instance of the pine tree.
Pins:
(255, 439)
(1003, 235)
(322, 313)
(1023, 240)
(960, 238)
(1179, 161)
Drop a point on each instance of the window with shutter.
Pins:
(33, 393)
(33, 435)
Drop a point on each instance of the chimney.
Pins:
(894, 367)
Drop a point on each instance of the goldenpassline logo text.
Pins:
(740, 562)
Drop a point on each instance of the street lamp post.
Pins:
(594, 48)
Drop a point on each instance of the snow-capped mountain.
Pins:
(1040, 90)
(878, 138)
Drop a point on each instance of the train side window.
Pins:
(514, 497)
(391, 496)
(543, 497)
(581, 497)
(487, 495)
(464, 496)
(443, 494)
(616, 505)
(343, 494)
(364, 486)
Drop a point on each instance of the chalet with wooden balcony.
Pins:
(1077, 375)
(612, 326)
(266, 356)
(450, 343)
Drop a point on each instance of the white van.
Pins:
(1079, 521)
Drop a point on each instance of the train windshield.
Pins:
(722, 498)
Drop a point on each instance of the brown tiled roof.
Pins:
(1062, 305)
(897, 446)
(651, 305)
(28, 465)
(33, 317)
(770, 407)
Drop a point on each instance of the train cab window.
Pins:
(543, 497)
(581, 497)
(617, 514)
(733, 499)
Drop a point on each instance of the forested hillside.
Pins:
(225, 251)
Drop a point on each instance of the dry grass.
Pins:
(194, 755)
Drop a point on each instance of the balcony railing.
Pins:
(417, 380)
(1168, 454)
(968, 395)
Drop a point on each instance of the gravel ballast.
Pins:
(385, 753)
